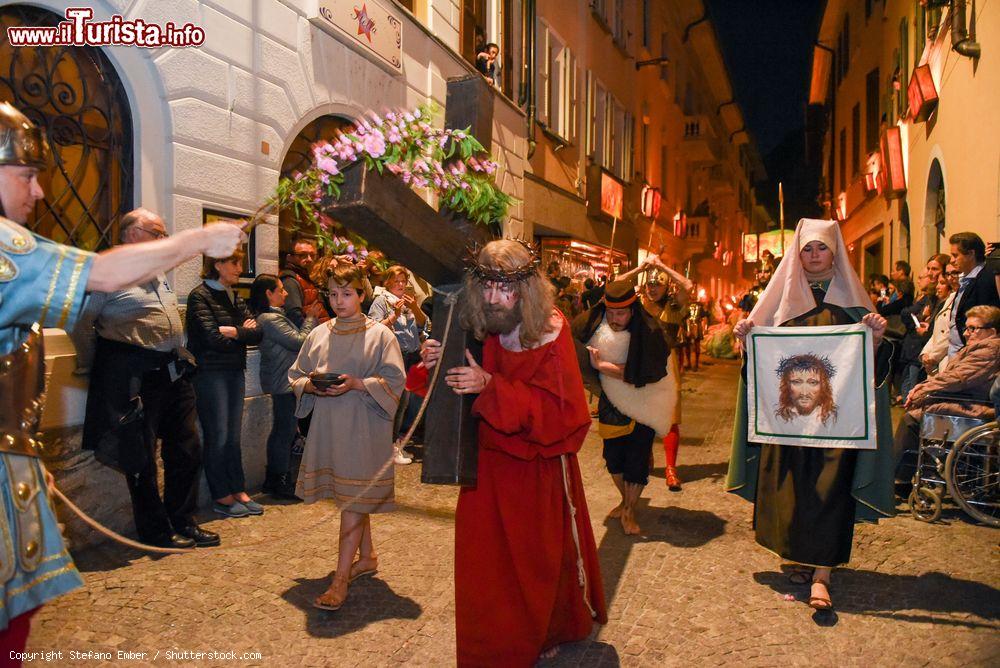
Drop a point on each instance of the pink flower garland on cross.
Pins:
(406, 144)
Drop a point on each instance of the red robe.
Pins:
(517, 589)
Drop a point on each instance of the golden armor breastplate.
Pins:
(22, 390)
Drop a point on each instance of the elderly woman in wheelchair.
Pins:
(945, 406)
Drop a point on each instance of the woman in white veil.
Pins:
(807, 499)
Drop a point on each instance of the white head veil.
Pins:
(788, 294)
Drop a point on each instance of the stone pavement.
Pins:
(693, 590)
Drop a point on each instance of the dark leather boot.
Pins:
(271, 482)
(281, 487)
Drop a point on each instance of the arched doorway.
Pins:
(935, 211)
(75, 95)
(297, 159)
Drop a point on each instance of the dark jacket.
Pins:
(982, 292)
(207, 310)
(115, 426)
(896, 306)
(913, 342)
(279, 348)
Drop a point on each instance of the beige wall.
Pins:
(961, 134)
(963, 137)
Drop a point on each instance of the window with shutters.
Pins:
(871, 111)
(843, 158)
(919, 31)
(557, 86)
(904, 68)
(856, 139)
(597, 133)
(610, 135)
(628, 148)
(542, 73)
(663, 171)
(647, 20)
(473, 27)
(664, 53)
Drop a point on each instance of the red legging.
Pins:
(14, 638)
(671, 442)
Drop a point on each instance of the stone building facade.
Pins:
(211, 127)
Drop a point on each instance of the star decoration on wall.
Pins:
(366, 26)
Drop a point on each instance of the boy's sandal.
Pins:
(358, 572)
(331, 598)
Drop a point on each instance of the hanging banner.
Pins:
(811, 386)
(771, 241)
(367, 26)
(612, 195)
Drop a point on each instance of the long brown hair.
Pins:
(535, 293)
(824, 399)
(941, 259)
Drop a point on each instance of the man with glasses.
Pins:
(304, 298)
(130, 342)
(977, 285)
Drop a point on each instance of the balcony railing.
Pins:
(700, 143)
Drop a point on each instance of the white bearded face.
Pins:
(500, 308)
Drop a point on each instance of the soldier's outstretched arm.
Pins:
(678, 276)
(131, 264)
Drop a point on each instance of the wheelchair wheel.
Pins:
(973, 473)
(925, 504)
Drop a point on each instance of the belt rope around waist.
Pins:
(581, 571)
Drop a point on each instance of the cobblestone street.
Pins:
(694, 589)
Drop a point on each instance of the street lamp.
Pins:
(922, 94)
(680, 224)
(651, 200)
(892, 163)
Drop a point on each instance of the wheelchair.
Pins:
(957, 456)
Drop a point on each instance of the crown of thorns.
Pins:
(490, 274)
(804, 363)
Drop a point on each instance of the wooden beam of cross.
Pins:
(432, 244)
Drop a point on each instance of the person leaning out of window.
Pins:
(278, 349)
(219, 328)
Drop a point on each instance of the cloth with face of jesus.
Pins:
(811, 386)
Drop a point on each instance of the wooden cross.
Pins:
(394, 219)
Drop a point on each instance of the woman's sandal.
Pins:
(821, 602)
(331, 599)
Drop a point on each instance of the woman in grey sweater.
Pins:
(278, 350)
